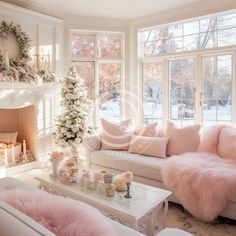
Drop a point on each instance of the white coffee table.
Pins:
(139, 212)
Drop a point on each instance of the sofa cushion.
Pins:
(210, 139)
(149, 130)
(140, 165)
(227, 143)
(116, 136)
(186, 139)
(150, 146)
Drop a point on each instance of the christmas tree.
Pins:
(72, 125)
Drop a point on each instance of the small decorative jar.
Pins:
(109, 186)
(56, 158)
(68, 171)
(120, 183)
(110, 189)
(85, 181)
(108, 178)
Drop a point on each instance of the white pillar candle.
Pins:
(13, 153)
(24, 147)
(49, 63)
(5, 156)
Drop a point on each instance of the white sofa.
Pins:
(146, 169)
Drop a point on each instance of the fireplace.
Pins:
(22, 122)
(29, 110)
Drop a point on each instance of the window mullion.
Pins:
(233, 100)
(166, 92)
(199, 100)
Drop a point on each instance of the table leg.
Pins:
(166, 205)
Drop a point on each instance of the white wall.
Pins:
(43, 30)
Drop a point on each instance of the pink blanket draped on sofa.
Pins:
(202, 182)
(62, 216)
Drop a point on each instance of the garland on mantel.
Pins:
(19, 69)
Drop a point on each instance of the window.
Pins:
(109, 90)
(217, 89)
(152, 92)
(210, 32)
(98, 57)
(187, 71)
(182, 90)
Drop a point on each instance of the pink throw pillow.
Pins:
(161, 132)
(210, 139)
(149, 130)
(182, 140)
(150, 146)
(227, 143)
(116, 136)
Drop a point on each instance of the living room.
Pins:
(118, 117)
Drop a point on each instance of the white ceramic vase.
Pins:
(55, 164)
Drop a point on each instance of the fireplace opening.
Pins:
(17, 136)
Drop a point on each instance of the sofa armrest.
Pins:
(92, 143)
(14, 222)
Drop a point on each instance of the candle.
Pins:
(24, 147)
(13, 154)
(5, 156)
(120, 183)
(48, 66)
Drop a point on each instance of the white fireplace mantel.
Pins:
(18, 95)
(34, 110)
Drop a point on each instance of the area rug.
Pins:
(179, 218)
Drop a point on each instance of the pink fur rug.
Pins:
(204, 183)
(62, 216)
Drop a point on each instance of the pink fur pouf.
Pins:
(204, 183)
(62, 216)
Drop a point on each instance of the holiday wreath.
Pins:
(18, 69)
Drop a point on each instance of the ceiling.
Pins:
(125, 9)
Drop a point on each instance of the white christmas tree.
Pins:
(72, 125)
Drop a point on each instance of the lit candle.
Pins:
(49, 66)
(24, 147)
(13, 154)
(5, 156)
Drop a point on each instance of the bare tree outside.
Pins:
(211, 32)
(94, 56)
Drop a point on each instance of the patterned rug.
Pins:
(179, 218)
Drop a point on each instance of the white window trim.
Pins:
(198, 55)
(97, 60)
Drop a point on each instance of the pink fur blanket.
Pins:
(63, 217)
(204, 183)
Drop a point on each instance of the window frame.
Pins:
(198, 54)
(97, 59)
